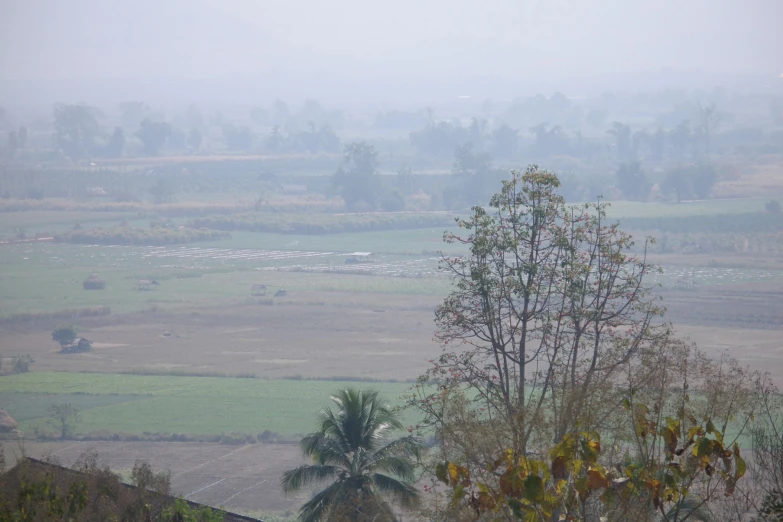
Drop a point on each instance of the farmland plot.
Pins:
(714, 276)
(390, 266)
(138, 404)
(189, 257)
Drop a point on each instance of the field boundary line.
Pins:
(240, 492)
(67, 447)
(205, 487)
(212, 460)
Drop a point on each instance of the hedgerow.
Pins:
(323, 223)
(140, 236)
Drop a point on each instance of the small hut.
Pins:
(147, 284)
(7, 423)
(258, 289)
(93, 282)
(80, 344)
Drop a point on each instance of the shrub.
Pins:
(93, 282)
(21, 364)
(65, 335)
(269, 436)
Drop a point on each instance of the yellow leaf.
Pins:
(457, 473)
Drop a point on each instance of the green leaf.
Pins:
(440, 472)
(517, 507)
(533, 488)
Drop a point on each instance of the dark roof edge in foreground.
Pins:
(228, 514)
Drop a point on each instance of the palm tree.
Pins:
(351, 448)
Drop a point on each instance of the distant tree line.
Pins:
(78, 132)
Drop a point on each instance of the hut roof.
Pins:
(7, 423)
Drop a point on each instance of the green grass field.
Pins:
(56, 221)
(138, 404)
(35, 221)
(48, 277)
(634, 209)
(389, 242)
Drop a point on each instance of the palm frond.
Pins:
(296, 479)
(317, 508)
(334, 427)
(405, 494)
(325, 451)
(398, 466)
(396, 457)
(311, 443)
(408, 446)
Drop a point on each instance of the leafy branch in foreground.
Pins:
(572, 484)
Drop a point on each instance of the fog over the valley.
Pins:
(403, 52)
(282, 258)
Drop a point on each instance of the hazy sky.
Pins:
(352, 44)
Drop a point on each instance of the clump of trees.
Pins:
(632, 181)
(473, 175)
(153, 135)
(357, 180)
(66, 335)
(690, 181)
(76, 130)
(63, 418)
